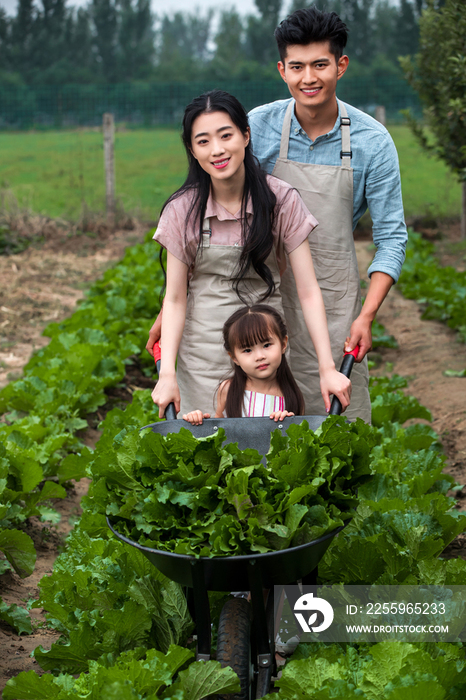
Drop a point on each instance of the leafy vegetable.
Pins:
(106, 598)
(16, 616)
(380, 337)
(62, 383)
(19, 550)
(140, 673)
(389, 670)
(440, 290)
(199, 496)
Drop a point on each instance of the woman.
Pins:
(226, 231)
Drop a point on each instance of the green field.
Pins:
(54, 173)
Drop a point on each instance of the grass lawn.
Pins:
(429, 188)
(53, 173)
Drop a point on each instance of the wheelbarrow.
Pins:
(245, 637)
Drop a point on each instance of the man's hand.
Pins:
(154, 334)
(361, 334)
(361, 330)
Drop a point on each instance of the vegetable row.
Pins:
(124, 626)
(440, 290)
(44, 412)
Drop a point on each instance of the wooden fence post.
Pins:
(380, 114)
(109, 163)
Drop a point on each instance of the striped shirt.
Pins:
(258, 405)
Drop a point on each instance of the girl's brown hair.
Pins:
(248, 326)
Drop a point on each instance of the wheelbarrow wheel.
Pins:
(234, 644)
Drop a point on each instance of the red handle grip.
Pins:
(354, 352)
(157, 351)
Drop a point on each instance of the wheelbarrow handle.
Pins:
(346, 367)
(170, 413)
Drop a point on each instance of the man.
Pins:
(342, 162)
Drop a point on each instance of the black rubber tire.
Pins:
(234, 644)
(264, 675)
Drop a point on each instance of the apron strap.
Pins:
(286, 131)
(206, 233)
(346, 153)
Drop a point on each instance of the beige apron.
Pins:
(202, 361)
(327, 191)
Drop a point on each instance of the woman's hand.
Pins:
(154, 334)
(334, 382)
(196, 417)
(166, 391)
(280, 415)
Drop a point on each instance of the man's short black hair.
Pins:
(311, 25)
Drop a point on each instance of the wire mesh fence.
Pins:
(162, 104)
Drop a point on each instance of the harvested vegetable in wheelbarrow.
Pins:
(196, 496)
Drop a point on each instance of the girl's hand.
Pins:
(280, 415)
(196, 417)
(166, 391)
(334, 382)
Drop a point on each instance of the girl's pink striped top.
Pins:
(256, 405)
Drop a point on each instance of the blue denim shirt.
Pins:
(376, 172)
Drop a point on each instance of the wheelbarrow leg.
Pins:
(201, 613)
(263, 631)
(264, 654)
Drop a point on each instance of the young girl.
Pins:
(227, 232)
(255, 338)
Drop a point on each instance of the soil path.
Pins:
(44, 284)
(41, 285)
(425, 350)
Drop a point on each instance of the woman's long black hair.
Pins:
(257, 235)
(246, 327)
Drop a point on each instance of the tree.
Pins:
(4, 41)
(405, 36)
(82, 58)
(50, 48)
(135, 40)
(183, 46)
(105, 16)
(229, 51)
(261, 46)
(23, 37)
(438, 73)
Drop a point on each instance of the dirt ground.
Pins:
(42, 285)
